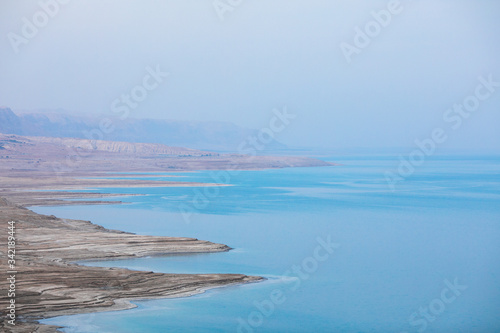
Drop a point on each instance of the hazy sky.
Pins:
(265, 54)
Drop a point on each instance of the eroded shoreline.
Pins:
(37, 172)
(50, 284)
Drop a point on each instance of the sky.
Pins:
(238, 60)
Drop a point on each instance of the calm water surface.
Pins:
(422, 258)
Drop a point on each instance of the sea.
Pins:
(345, 248)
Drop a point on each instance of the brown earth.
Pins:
(49, 284)
(63, 156)
(44, 171)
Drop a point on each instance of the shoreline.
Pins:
(32, 191)
(123, 304)
(49, 283)
(48, 248)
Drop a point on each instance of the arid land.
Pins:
(44, 171)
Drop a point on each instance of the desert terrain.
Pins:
(37, 171)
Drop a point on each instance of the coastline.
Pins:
(123, 304)
(55, 191)
(51, 284)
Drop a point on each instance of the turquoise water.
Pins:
(422, 258)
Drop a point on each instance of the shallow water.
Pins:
(398, 252)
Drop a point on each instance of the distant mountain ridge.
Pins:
(219, 136)
(12, 142)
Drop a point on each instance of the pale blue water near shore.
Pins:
(429, 251)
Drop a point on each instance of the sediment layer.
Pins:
(40, 171)
(48, 283)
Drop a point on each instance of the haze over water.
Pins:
(357, 75)
(424, 257)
